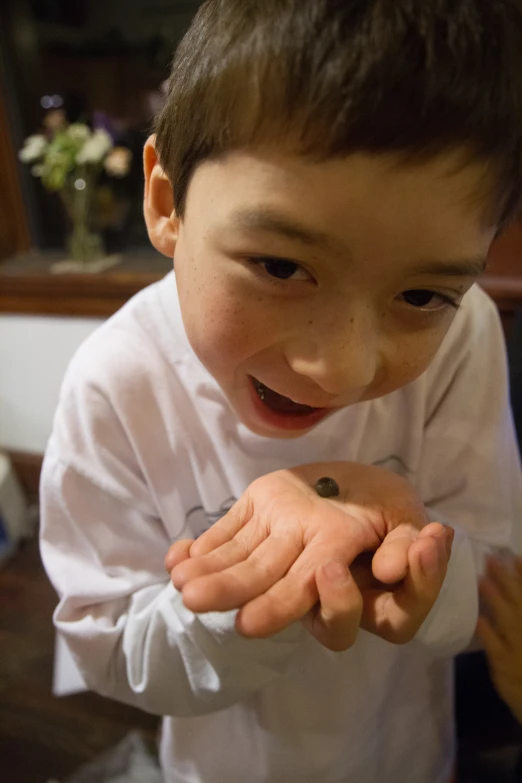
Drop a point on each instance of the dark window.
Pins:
(102, 62)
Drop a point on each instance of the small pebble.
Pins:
(327, 488)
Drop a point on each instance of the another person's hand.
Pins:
(500, 629)
(272, 552)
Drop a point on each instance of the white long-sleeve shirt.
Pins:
(146, 450)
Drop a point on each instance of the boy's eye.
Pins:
(428, 300)
(282, 269)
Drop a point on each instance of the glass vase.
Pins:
(84, 244)
(86, 252)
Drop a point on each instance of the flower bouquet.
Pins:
(69, 161)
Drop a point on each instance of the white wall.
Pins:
(34, 353)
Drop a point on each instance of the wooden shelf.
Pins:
(27, 285)
(504, 288)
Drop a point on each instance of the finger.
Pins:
(431, 574)
(436, 529)
(450, 538)
(289, 599)
(444, 540)
(499, 608)
(177, 553)
(335, 622)
(244, 543)
(286, 602)
(225, 556)
(396, 616)
(390, 562)
(224, 529)
(492, 642)
(296, 593)
(444, 536)
(234, 586)
(506, 578)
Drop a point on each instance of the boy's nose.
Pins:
(342, 360)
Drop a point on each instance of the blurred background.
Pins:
(100, 64)
(97, 61)
(85, 77)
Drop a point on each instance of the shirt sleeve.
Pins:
(103, 545)
(470, 476)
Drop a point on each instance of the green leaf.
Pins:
(54, 178)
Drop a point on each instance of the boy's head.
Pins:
(321, 167)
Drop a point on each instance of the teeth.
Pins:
(277, 401)
(260, 389)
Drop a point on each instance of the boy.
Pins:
(328, 177)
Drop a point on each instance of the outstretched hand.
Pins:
(283, 554)
(500, 628)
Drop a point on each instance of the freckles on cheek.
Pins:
(224, 332)
(415, 361)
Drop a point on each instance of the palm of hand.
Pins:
(264, 554)
(267, 548)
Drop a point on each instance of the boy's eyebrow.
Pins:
(272, 222)
(472, 267)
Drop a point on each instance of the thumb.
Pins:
(335, 621)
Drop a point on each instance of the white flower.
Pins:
(37, 170)
(95, 148)
(78, 131)
(117, 162)
(34, 147)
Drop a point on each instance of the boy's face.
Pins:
(321, 284)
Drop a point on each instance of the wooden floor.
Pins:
(43, 737)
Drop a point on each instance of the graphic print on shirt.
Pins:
(395, 464)
(197, 520)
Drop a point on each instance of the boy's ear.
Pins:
(158, 203)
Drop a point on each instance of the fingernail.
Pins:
(336, 573)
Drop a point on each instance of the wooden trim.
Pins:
(28, 468)
(28, 287)
(65, 295)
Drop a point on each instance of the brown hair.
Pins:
(326, 78)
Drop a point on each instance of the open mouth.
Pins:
(281, 405)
